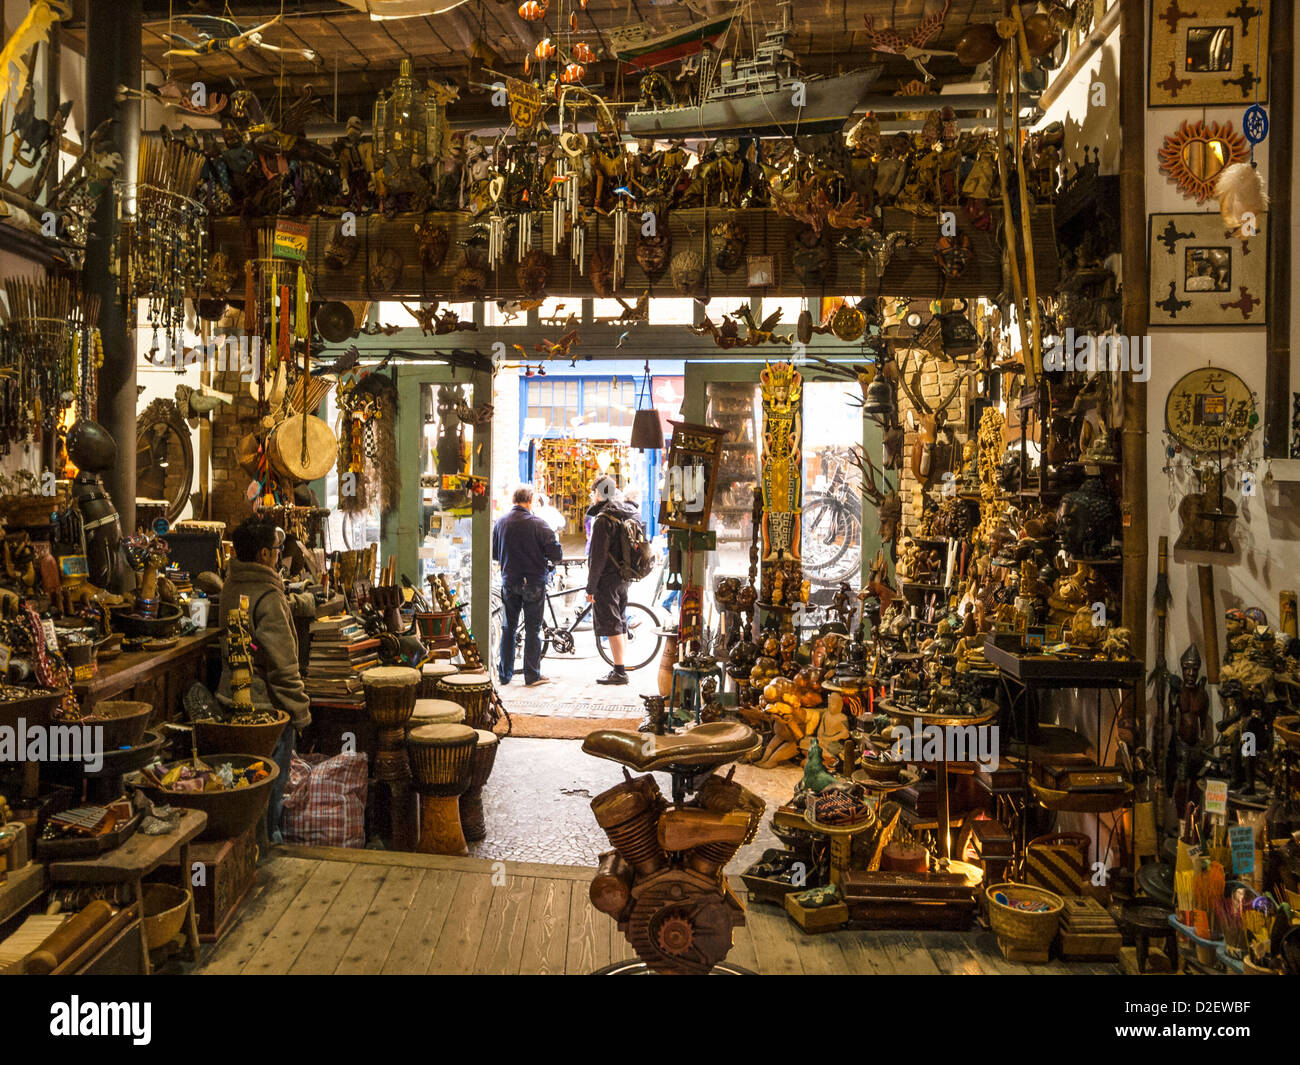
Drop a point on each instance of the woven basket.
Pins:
(1022, 928)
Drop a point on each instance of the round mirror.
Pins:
(164, 456)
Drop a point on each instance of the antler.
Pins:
(863, 464)
(952, 394)
(917, 402)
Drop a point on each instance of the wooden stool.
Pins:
(431, 673)
(473, 691)
(480, 768)
(441, 759)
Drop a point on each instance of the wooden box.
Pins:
(1088, 931)
(908, 900)
(221, 874)
(817, 918)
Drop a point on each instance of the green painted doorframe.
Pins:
(402, 532)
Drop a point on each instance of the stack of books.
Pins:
(340, 652)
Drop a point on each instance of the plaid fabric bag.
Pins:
(325, 801)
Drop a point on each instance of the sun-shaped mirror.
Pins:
(1196, 154)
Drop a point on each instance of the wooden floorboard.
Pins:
(379, 927)
(462, 933)
(384, 912)
(420, 928)
(329, 940)
(283, 943)
(501, 949)
(546, 939)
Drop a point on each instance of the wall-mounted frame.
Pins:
(1201, 277)
(690, 476)
(1196, 153)
(1211, 52)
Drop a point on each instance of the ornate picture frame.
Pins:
(1208, 53)
(1200, 276)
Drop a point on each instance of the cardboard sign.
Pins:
(290, 240)
(1242, 840)
(1216, 797)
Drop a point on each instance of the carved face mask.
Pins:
(687, 271)
(602, 272)
(729, 246)
(653, 253)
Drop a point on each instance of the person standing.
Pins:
(254, 574)
(525, 546)
(606, 585)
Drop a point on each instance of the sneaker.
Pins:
(534, 683)
(614, 677)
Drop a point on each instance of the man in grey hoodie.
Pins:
(254, 573)
(606, 586)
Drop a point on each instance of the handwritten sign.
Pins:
(1242, 840)
(1216, 797)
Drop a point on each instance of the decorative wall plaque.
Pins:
(1201, 276)
(1208, 52)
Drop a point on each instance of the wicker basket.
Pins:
(164, 913)
(1026, 929)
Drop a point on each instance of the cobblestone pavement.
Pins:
(538, 803)
(573, 691)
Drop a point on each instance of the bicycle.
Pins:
(642, 642)
(832, 525)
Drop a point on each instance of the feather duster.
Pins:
(1242, 199)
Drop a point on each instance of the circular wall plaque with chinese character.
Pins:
(1210, 409)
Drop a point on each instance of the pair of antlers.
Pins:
(918, 402)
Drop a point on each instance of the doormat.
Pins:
(534, 726)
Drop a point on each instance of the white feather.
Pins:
(1242, 199)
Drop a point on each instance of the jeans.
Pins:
(528, 595)
(275, 806)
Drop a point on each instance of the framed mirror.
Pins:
(1195, 155)
(164, 456)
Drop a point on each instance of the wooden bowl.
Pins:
(165, 907)
(1288, 730)
(123, 721)
(230, 813)
(1024, 928)
(260, 740)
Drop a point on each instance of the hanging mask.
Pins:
(687, 271)
(729, 246)
(953, 254)
(810, 258)
(653, 253)
(386, 270)
(534, 273)
(602, 272)
(432, 240)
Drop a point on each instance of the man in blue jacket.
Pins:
(525, 546)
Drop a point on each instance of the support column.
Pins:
(1133, 237)
(1281, 113)
(112, 59)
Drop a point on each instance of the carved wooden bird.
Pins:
(216, 34)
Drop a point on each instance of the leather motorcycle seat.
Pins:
(710, 745)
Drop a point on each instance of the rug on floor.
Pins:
(536, 726)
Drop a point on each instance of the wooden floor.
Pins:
(327, 911)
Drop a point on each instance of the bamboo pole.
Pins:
(1133, 237)
(1277, 358)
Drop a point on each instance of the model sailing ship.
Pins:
(764, 96)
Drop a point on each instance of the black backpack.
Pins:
(629, 549)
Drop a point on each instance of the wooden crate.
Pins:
(229, 870)
(817, 918)
(1088, 931)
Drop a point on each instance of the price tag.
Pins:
(1216, 797)
(1242, 840)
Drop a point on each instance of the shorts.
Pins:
(609, 613)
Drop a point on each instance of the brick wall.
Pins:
(230, 501)
(932, 382)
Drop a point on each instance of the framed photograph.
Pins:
(1202, 276)
(1211, 52)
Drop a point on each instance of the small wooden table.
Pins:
(156, 677)
(132, 862)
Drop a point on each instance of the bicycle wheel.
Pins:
(642, 643)
(829, 530)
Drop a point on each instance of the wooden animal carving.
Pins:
(1207, 518)
(927, 423)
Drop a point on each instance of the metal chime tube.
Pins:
(620, 244)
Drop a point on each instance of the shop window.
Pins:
(672, 311)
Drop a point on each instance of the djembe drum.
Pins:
(442, 757)
(473, 691)
(435, 712)
(430, 674)
(471, 803)
(437, 632)
(390, 693)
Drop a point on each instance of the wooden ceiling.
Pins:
(359, 57)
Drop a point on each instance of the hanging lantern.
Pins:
(573, 73)
(583, 52)
(545, 48)
(532, 11)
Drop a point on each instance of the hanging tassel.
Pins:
(301, 322)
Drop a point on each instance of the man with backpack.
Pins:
(618, 553)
